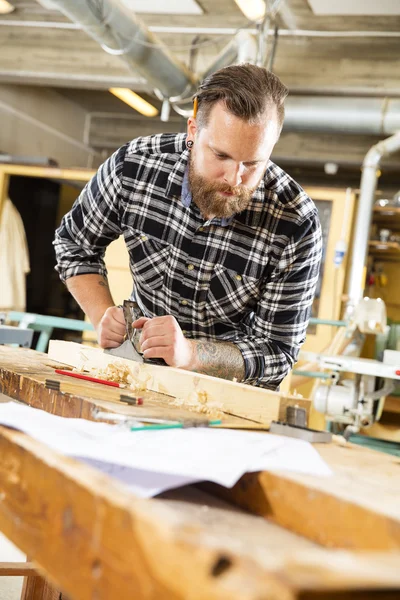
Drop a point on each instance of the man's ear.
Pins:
(191, 128)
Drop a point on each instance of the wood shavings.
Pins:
(120, 373)
(198, 402)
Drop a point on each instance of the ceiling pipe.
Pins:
(120, 32)
(289, 32)
(372, 116)
(369, 179)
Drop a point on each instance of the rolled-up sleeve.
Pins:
(282, 315)
(92, 223)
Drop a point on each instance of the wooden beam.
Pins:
(247, 401)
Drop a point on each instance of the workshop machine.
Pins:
(354, 393)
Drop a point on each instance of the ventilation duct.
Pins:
(369, 179)
(120, 32)
(373, 116)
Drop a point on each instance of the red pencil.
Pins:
(88, 378)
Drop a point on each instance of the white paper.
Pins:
(294, 455)
(218, 455)
(144, 484)
(154, 461)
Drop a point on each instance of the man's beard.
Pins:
(211, 203)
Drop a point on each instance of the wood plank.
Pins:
(96, 540)
(247, 401)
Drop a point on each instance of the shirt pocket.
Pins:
(148, 258)
(231, 295)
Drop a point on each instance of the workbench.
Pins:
(275, 535)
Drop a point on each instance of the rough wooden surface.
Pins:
(357, 508)
(259, 405)
(96, 540)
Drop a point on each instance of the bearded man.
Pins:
(224, 246)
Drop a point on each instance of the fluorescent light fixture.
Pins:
(135, 101)
(355, 7)
(6, 7)
(164, 7)
(254, 10)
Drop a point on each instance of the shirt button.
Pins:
(201, 228)
(144, 238)
(184, 331)
(190, 267)
(238, 277)
(184, 302)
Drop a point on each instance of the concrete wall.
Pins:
(39, 122)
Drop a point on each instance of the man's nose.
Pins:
(233, 174)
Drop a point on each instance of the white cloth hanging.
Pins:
(14, 259)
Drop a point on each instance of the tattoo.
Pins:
(103, 283)
(219, 359)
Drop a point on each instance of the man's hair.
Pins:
(246, 90)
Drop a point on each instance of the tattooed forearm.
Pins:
(220, 359)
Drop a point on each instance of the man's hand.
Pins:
(162, 337)
(111, 329)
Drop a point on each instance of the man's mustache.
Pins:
(227, 189)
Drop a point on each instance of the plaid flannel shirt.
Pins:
(249, 280)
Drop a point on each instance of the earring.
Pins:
(189, 144)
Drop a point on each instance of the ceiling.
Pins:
(366, 61)
(316, 54)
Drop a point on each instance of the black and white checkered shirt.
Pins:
(249, 280)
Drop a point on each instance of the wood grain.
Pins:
(357, 508)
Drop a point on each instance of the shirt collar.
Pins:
(175, 178)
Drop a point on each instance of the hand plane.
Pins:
(130, 348)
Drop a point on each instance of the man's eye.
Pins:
(220, 156)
